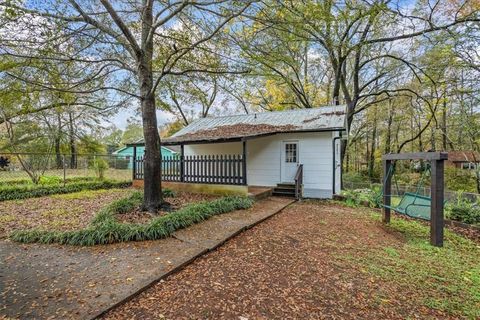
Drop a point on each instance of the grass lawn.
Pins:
(322, 260)
(446, 279)
(114, 174)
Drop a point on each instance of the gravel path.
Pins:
(289, 267)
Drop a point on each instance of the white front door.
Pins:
(289, 160)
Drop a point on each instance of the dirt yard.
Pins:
(319, 260)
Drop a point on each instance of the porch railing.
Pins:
(299, 182)
(211, 169)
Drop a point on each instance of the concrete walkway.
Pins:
(65, 282)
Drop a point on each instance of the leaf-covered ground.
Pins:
(57, 212)
(322, 260)
(69, 282)
(75, 211)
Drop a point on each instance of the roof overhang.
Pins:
(166, 141)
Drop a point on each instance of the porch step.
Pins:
(259, 193)
(284, 190)
(286, 185)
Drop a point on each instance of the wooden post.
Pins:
(182, 163)
(436, 213)
(244, 162)
(387, 190)
(134, 171)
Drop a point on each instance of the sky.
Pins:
(120, 119)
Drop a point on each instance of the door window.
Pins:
(291, 152)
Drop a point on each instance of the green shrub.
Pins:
(168, 193)
(360, 197)
(100, 166)
(17, 192)
(463, 210)
(45, 180)
(49, 180)
(460, 180)
(105, 228)
(355, 178)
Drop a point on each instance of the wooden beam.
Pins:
(182, 163)
(416, 156)
(436, 213)
(244, 161)
(387, 190)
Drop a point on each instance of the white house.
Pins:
(283, 150)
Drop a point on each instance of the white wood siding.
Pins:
(264, 159)
(229, 148)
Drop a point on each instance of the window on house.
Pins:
(291, 152)
(468, 165)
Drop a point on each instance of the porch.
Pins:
(219, 173)
(202, 169)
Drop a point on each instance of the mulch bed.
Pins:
(57, 212)
(180, 200)
(288, 267)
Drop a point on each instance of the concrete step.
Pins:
(259, 193)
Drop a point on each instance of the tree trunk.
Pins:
(152, 164)
(371, 160)
(433, 144)
(477, 175)
(152, 190)
(444, 125)
(58, 155)
(73, 146)
(388, 137)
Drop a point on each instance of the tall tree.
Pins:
(117, 43)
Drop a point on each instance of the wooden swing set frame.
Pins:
(437, 164)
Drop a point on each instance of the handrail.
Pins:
(299, 181)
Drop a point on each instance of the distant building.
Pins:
(463, 159)
(127, 153)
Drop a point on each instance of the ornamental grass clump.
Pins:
(106, 229)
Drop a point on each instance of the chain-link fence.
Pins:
(19, 168)
(401, 189)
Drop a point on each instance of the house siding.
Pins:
(264, 157)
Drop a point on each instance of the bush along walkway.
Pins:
(50, 281)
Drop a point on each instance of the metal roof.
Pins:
(237, 127)
(250, 125)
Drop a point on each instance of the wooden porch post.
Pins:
(134, 171)
(436, 213)
(244, 161)
(387, 190)
(182, 163)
